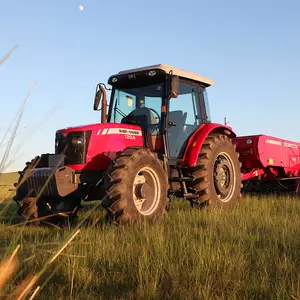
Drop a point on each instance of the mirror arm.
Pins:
(174, 86)
(104, 105)
(108, 89)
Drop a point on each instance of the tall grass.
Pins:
(10, 261)
(250, 252)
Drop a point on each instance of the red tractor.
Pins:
(155, 139)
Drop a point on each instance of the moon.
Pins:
(80, 7)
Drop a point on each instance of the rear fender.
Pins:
(196, 141)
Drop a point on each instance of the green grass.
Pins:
(250, 252)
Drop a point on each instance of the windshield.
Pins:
(128, 104)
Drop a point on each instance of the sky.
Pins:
(251, 49)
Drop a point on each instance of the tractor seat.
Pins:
(142, 111)
(140, 115)
(179, 118)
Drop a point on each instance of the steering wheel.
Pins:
(152, 126)
(158, 116)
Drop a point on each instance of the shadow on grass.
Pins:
(9, 208)
(116, 289)
(8, 212)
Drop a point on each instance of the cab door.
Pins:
(184, 116)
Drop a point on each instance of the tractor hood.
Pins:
(100, 128)
(92, 147)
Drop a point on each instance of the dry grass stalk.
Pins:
(63, 254)
(63, 247)
(13, 135)
(8, 54)
(7, 268)
(72, 280)
(24, 288)
(35, 292)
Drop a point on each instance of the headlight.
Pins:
(152, 73)
(58, 137)
(80, 140)
(77, 140)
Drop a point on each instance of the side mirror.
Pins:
(174, 86)
(100, 96)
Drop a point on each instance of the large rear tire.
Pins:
(138, 187)
(217, 173)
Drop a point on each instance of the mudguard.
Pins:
(197, 139)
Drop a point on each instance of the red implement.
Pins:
(266, 158)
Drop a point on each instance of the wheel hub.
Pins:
(223, 177)
(146, 191)
(143, 191)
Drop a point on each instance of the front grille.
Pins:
(74, 153)
(42, 180)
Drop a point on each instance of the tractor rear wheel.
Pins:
(138, 187)
(217, 173)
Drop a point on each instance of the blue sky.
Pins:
(249, 48)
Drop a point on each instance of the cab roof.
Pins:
(175, 71)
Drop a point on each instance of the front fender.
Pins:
(196, 141)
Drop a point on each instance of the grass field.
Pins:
(250, 252)
(6, 183)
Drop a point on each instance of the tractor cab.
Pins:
(167, 103)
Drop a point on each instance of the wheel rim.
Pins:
(224, 177)
(146, 191)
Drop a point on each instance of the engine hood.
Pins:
(97, 127)
(101, 143)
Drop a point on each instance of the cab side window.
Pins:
(184, 113)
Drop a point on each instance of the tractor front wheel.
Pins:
(138, 187)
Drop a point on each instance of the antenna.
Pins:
(225, 121)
